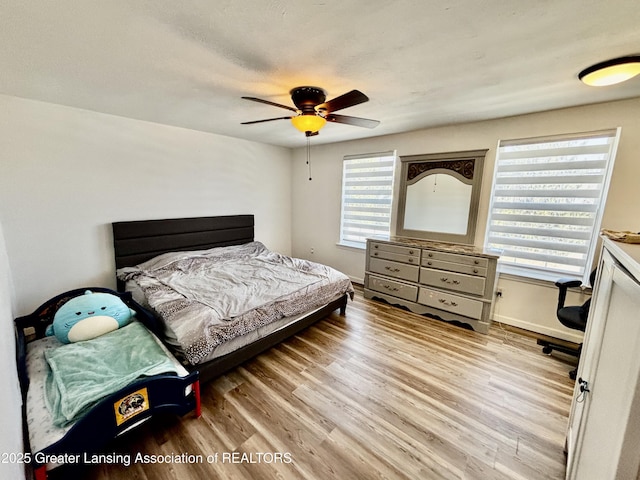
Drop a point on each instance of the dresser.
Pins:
(448, 281)
(604, 424)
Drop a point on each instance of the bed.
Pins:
(150, 254)
(83, 418)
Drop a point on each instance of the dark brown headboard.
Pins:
(137, 241)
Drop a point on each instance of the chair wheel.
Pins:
(547, 350)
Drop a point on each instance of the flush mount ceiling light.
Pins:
(611, 72)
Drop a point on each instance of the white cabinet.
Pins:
(603, 437)
(449, 281)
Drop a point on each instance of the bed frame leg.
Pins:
(41, 473)
(196, 392)
(343, 306)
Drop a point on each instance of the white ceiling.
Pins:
(422, 63)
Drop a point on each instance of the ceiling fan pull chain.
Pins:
(309, 156)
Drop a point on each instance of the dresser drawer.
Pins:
(397, 257)
(450, 303)
(395, 253)
(391, 287)
(453, 281)
(394, 269)
(455, 267)
(454, 258)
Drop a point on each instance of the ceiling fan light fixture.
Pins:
(611, 72)
(312, 111)
(308, 122)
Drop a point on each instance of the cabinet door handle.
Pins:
(584, 385)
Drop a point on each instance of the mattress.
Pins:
(212, 302)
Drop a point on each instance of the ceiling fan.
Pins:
(312, 111)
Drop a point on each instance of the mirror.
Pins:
(439, 196)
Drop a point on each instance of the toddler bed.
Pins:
(220, 296)
(79, 396)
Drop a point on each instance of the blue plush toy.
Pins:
(88, 316)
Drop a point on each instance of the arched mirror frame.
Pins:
(465, 165)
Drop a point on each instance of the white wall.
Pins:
(316, 204)
(66, 174)
(11, 418)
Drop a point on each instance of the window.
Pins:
(367, 192)
(547, 202)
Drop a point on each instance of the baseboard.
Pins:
(541, 329)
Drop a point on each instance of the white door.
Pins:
(603, 434)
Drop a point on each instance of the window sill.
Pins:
(546, 279)
(352, 245)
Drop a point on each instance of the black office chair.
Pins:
(574, 316)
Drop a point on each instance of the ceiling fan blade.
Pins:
(356, 121)
(349, 99)
(265, 120)
(254, 99)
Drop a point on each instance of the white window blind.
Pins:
(367, 193)
(547, 202)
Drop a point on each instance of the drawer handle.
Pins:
(395, 270)
(410, 252)
(429, 263)
(430, 255)
(476, 262)
(475, 270)
(375, 254)
(375, 246)
(411, 260)
(390, 288)
(449, 304)
(450, 282)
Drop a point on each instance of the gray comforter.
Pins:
(211, 296)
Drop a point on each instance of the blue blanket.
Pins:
(85, 372)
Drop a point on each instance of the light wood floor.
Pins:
(380, 393)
